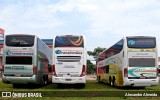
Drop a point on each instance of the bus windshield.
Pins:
(69, 41)
(19, 41)
(141, 42)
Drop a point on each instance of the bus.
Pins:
(26, 60)
(69, 60)
(132, 61)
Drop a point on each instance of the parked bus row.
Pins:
(28, 60)
(132, 61)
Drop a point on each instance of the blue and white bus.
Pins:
(69, 59)
(26, 60)
(132, 61)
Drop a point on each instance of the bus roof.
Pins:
(67, 35)
(20, 35)
(139, 36)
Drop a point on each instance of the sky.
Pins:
(102, 22)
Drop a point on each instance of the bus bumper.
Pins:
(69, 80)
(141, 82)
(18, 80)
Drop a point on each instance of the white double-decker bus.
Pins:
(69, 60)
(133, 61)
(26, 59)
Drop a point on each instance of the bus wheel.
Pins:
(110, 81)
(43, 81)
(16, 85)
(46, 80)
(114, 82)
(59, 85)
(82, 85)
(99, 79)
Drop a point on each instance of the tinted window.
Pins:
(19, 60)
(69, 41)
(19, 41)
(115, 49)
(142, 62)
(141, 42)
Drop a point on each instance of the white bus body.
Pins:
(133, 61)
(26, 59)
(69, 60)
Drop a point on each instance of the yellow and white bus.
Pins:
(69, 60)
(133, 61)
(26, 60)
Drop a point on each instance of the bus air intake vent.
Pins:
(68, 58)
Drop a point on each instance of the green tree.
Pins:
(90, 67)
(95, 52)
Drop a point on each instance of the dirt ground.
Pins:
(90, 77)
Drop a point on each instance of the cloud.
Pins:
(35, 19)
(124, 18)
(103, 22)
(111, 20)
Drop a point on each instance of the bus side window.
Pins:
(107, 68)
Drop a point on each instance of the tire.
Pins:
(59, 85)
(114, 82)
(82, 85)
(16, 85)
(43, 81)
(99, 79)
(110, 81)
(46, 80)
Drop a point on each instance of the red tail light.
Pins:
(2, 67)
(34, 69)
(83, 71)
(125, 72)
(53, 71)
(158, 70)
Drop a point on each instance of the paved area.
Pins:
(90, 77)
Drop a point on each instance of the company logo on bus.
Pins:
(131, 42)
(58, 52)
(67, 52)
(142, 72)
(8, 52)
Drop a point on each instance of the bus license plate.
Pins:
(142, 77)
(17, 75)
(68, 79)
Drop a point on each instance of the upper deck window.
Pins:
(69, 41)
(19, 41)
(141, 42)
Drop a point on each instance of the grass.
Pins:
(84, 98)
(90, 86)
(93, 87)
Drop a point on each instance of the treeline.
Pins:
(90, 66)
